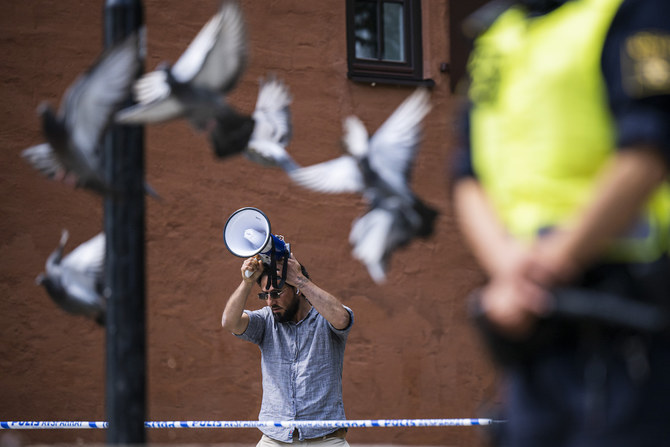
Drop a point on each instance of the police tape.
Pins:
(255, 424)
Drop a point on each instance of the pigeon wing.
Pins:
(369, 237)
(82, 291)
(272, 114)
(43, 158)
(340, 175)
(355, 138)
(155, 112)
(155, 103)
(93, 99)
(217, 56)
(272, 126)
(88, 258)
(393, 146)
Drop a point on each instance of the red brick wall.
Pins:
(411, 353)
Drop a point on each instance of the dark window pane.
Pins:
(394, 32)
(365, 23)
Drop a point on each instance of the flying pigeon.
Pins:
(195, 88)
(74, 282)
(73, 151)
(270, 131)
(378, 168)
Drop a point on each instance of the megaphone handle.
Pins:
(248, 273)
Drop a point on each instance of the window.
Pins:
(384, 41)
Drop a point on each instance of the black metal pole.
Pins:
(125, 258)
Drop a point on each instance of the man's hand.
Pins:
(294, 276)
(252, 269)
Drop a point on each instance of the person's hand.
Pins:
(518, 293)
(252, 269)
(552, 254)
(513, 305)
(519, 260)
(294, 276)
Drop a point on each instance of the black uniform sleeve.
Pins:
(461, 161)
(636, 67)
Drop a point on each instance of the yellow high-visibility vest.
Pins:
(541, 129)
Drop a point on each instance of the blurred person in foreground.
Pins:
(563, 182)
(302, 333)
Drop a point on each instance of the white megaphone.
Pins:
(247, 233)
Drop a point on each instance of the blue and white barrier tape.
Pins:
(255, 424)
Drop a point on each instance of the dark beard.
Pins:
(289, 313)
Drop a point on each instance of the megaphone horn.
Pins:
(247, 233)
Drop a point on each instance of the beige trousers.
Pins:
(327, 442)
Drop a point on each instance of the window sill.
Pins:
(390, 80)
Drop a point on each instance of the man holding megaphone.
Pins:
(301, 332)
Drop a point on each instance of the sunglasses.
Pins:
(273, 294)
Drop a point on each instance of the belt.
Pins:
(339, 433)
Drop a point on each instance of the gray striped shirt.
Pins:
(302, 370)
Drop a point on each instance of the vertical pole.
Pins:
(125, 269)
